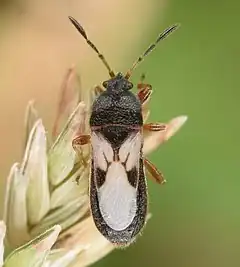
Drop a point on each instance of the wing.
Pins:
(116, 174)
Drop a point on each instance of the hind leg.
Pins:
(153, 172)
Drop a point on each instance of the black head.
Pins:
(118, 84)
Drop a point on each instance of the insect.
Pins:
(118, 190)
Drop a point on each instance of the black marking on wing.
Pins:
(133, 177)
(116, 136)
(100, 177)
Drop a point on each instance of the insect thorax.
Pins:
(111, 108)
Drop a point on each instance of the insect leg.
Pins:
(78, 142)
(98, 90)
(145, 93)
(155, 127)
(145, 90)
(95, 92)
(153, 172)
(140, 84)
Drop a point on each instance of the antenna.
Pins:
(83, 33)
(162, 36)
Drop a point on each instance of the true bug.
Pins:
(118, 191)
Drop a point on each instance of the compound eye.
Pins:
(129, 86)
(105, 84)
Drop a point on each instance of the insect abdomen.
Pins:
(126, 236)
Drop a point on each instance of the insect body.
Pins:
(118, 191)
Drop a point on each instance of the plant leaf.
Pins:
(69, 98)
(61, 157)
(70, 190)
(15, 211)
(2, 235)
(76, 208)
(31, 116)
(34, 167)
(62, 257)
(154, 139)
(85, 234)
(34, 253)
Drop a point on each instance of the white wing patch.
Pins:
(130, 150)
(117, 197)
(101, 149)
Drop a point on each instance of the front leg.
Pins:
(144, 91)
(98, 90)
(155, 174)
(78, 142)
(95, 92)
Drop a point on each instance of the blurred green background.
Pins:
(196, 215)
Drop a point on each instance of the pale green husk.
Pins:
(42, 191)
